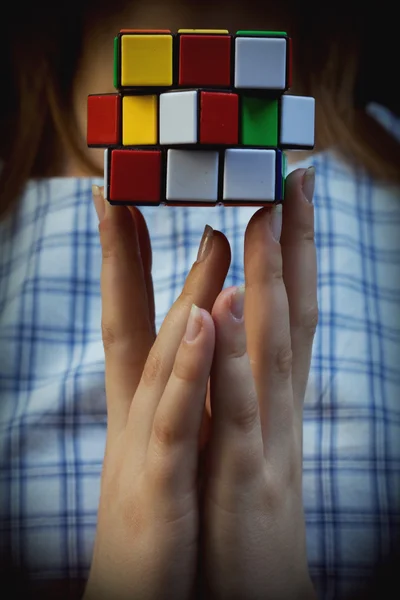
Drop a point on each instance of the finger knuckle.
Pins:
(246, 417)
(236, 349)
(243, 466)
(186, 297)
(309, 320)
(284, 360)
(109, 336)
(275, 490)
(307, 232)
(276, 269)
(187, 371)
(281, 481)
(132, 515)
(122, 344)
(166, 435)
(162, 469)
(152, 368)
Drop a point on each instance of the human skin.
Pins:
(239, 530)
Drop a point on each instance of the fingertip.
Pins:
(221, 242)
(228, 316)
(300, 184)
(199, 327)
(229, 304)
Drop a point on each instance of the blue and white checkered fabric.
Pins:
(52, 411)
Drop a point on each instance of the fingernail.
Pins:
(98, 201)
(194, 324)
(237, 303)
(309, 184)
(276, 222)
(205, 244)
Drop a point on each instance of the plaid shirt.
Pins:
(53, 412)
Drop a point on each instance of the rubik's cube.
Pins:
(200, 117)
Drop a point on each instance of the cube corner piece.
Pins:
(145, 59)
(262, 61)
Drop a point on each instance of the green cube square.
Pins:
(116, 62)
(259, 121)
(254, 33)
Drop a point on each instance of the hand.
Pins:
(253, 521)
(147, 536)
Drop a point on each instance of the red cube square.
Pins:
(205, 60)
(219, 118)
(103, 120)
(135, 176)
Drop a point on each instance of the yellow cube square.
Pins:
(146, 60)
(139, 120)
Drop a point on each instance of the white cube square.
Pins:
(249, 174)
(260, 63)
(192, 175)
(178, 118)
(297, 122)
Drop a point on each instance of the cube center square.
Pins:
(259, 120)
(219, 118)
(178, 117)
(205, 60)
(146, 60)
(260, 63)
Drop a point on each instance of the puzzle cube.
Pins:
(192, 117)
(259, 121)
(205, 60)
(143, 59)
(261, 61)
(139, 120)
(103, 120)
(201, 118)
(297, 122)
(135, 176)
(192, 176)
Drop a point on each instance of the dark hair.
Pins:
(342, 57)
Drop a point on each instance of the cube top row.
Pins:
(250, 60)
